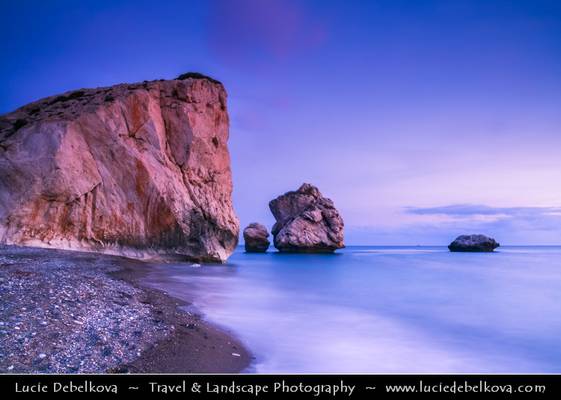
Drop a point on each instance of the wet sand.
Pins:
(194, 345)
(71, 312)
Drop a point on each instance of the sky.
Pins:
(422, 120)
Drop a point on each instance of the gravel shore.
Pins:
(71, 312)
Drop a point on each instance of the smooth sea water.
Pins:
(384, 309)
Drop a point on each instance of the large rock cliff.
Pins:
(135, 169)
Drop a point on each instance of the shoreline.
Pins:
(193, 342)
(74, 312)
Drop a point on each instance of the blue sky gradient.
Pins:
(422, 120)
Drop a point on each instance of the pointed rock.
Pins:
(306, 222)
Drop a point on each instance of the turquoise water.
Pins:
(384, 309)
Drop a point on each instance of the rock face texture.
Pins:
(256, 238)
(306, 222)
(135, 169)
(473, 243)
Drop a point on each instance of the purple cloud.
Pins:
(249, 30)
(470, 210)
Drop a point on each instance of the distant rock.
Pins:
(256, 238)
(138, 169)
(306, 222)
(473, 243)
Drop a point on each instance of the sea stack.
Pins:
(137, 169)
(256, 238)
(306, 222)
(473, 243)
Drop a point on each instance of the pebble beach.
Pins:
(72, 312)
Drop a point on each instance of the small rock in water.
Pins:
(195, 265)
(473, 243)
(256, 238)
